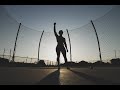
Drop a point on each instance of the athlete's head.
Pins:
(60, 32)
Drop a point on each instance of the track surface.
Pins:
(51, 76)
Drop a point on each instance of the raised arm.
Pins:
(55, 30)
(65, 45)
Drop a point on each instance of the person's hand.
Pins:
(54, 23)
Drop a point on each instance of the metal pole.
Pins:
(26, 59)
(48, 62)
(15, 43)
(115, 53)
(119, 53)
(70, 45)
(4, 53)
(39, 44)
(10, 55)
(97, 41)
(31, 61)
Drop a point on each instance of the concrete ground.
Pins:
(52, 76)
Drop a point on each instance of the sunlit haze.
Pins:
(75, 18)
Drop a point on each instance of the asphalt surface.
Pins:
(52, 76)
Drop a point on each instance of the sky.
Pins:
(41, 17)
(36, 18)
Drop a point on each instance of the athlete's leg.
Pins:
(65, 58)
(58, 57)
(64, 54)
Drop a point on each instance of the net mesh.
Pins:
(84, 44)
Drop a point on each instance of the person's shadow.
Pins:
(96, 80)
(51, 79)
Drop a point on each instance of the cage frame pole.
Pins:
(97, 41)
(70, 45)
(39, 44)
(16, 43)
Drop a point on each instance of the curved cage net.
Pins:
(8, 30)
(27, 43)
(108, 28)
(84, 44)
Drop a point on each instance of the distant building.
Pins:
(83, 63)
(41, 63)
(3, 61)
(115, 61)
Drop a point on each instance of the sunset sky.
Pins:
(75, 18)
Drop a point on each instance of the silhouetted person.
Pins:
(61, 46)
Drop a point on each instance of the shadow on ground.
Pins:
(51, 79)
(96, 80)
